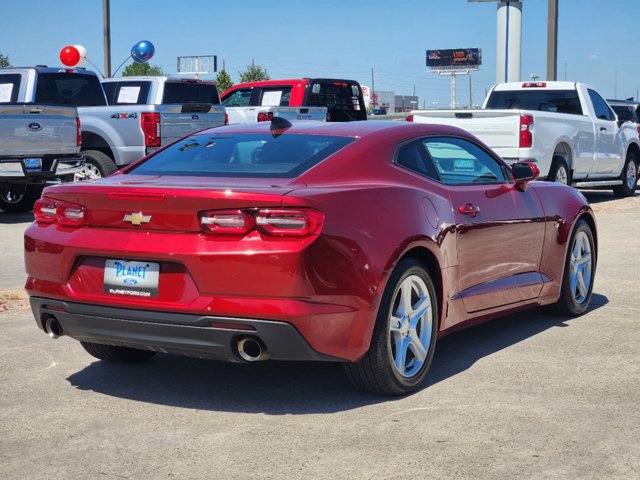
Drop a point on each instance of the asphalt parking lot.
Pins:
(527, 396)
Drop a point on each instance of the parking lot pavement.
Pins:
(527, 396)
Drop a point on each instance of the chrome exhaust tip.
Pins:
(252, 350)
(53, 328)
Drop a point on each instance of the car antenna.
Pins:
(279, 125)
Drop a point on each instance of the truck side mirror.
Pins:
(624, 116)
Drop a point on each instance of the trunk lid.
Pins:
(153, 203)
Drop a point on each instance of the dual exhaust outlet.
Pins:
(249, 349)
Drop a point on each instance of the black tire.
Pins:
(572, 302)
(114, 354)
(20, 199)
(97, 165)
(377, 371)
(559, 169)
(629, 176)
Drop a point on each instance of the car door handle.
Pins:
(469, 209)
(603, 129)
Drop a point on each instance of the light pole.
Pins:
(106, 22)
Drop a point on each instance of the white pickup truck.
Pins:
(567, 128)
(265, 113)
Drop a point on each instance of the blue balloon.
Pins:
(142, 51)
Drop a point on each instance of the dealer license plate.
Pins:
(136, 279)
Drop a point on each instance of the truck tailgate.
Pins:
(176, 121)
(496, 128)
(37, 130)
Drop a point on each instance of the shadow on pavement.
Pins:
(13, 218)
(601, 196)
(287, 388)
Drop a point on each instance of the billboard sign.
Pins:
(453, 59)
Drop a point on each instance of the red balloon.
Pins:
(70, 56)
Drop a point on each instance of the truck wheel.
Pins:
(559, 171)
(629, 177)
(579, 272)
(97, 165)
(111, 353)
(404, 337)
(20, 198)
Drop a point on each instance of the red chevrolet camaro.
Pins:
(358, 242)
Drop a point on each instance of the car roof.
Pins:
(358, 129)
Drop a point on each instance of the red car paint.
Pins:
(328, 285)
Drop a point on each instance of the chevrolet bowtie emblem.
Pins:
(137, 218)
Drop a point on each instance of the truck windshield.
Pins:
(560, 101)
(190, 92)
(242, 155)
(75, 89)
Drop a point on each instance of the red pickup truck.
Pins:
(342, 98)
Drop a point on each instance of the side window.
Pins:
(602, 109)
(412, 156)
(239, 98)
(274, 97)
(459, 162)
(9, 86)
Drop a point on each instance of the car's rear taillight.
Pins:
(526, 131)
(281, 222)
(265, 116)
(44, 211)
(638, 127)
(409, 118)
(534, 85)
(150, 123)
(227, 222)
(226, 119)
(78, 132)
(67, 214)
(289, 222)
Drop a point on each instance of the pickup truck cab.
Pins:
(112, 135)
(566, 128)
(342, 98)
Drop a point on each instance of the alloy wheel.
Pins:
(410, 326)
(631, 175)
(581, 267)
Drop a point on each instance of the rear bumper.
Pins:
(190, 335)
(49, 170)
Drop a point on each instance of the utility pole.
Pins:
(552, 40)
(470, 92)
(106, 21)
(373, 90)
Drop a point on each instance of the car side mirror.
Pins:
(624, 116)
(523, 173)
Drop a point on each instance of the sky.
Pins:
(337, 38)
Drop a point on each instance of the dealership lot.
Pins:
(527, 396)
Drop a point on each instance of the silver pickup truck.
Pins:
(112, 135)
(39, 145)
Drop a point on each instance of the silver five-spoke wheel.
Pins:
(580, 267)
(410, 326)
(632, 173)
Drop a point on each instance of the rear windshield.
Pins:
(342, 99)
(74, 89)
(190, 92)
(9, 86)
(560, 101)
(242, 155)
(121, 93)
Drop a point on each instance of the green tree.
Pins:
(223, 79)
(254, 73)
(4, 61)
(142, 69)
